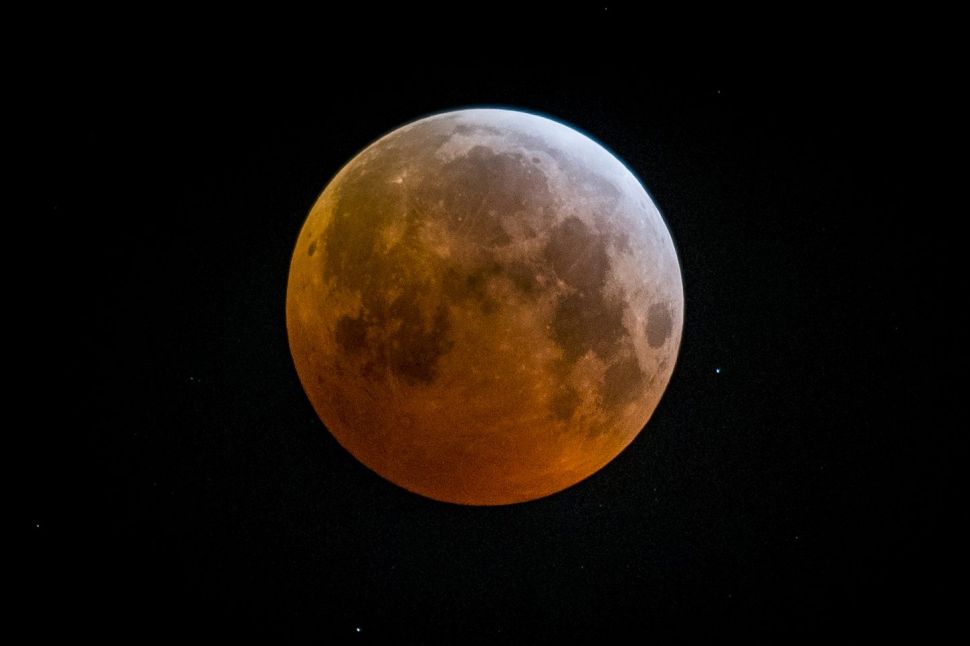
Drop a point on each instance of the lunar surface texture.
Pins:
(484, 306)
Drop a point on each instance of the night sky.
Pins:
(795, 481)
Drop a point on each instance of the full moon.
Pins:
(484, 306)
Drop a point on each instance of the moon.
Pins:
(484, 306)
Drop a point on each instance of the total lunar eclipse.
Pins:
(484, 306)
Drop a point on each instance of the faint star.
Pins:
(717, 370)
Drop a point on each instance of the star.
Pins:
(717, 370)
(357, 628)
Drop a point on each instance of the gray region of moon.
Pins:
(484, 306)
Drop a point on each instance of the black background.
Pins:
(179, 483)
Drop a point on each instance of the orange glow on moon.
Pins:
(484, 307)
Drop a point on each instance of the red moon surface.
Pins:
(484, 306)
